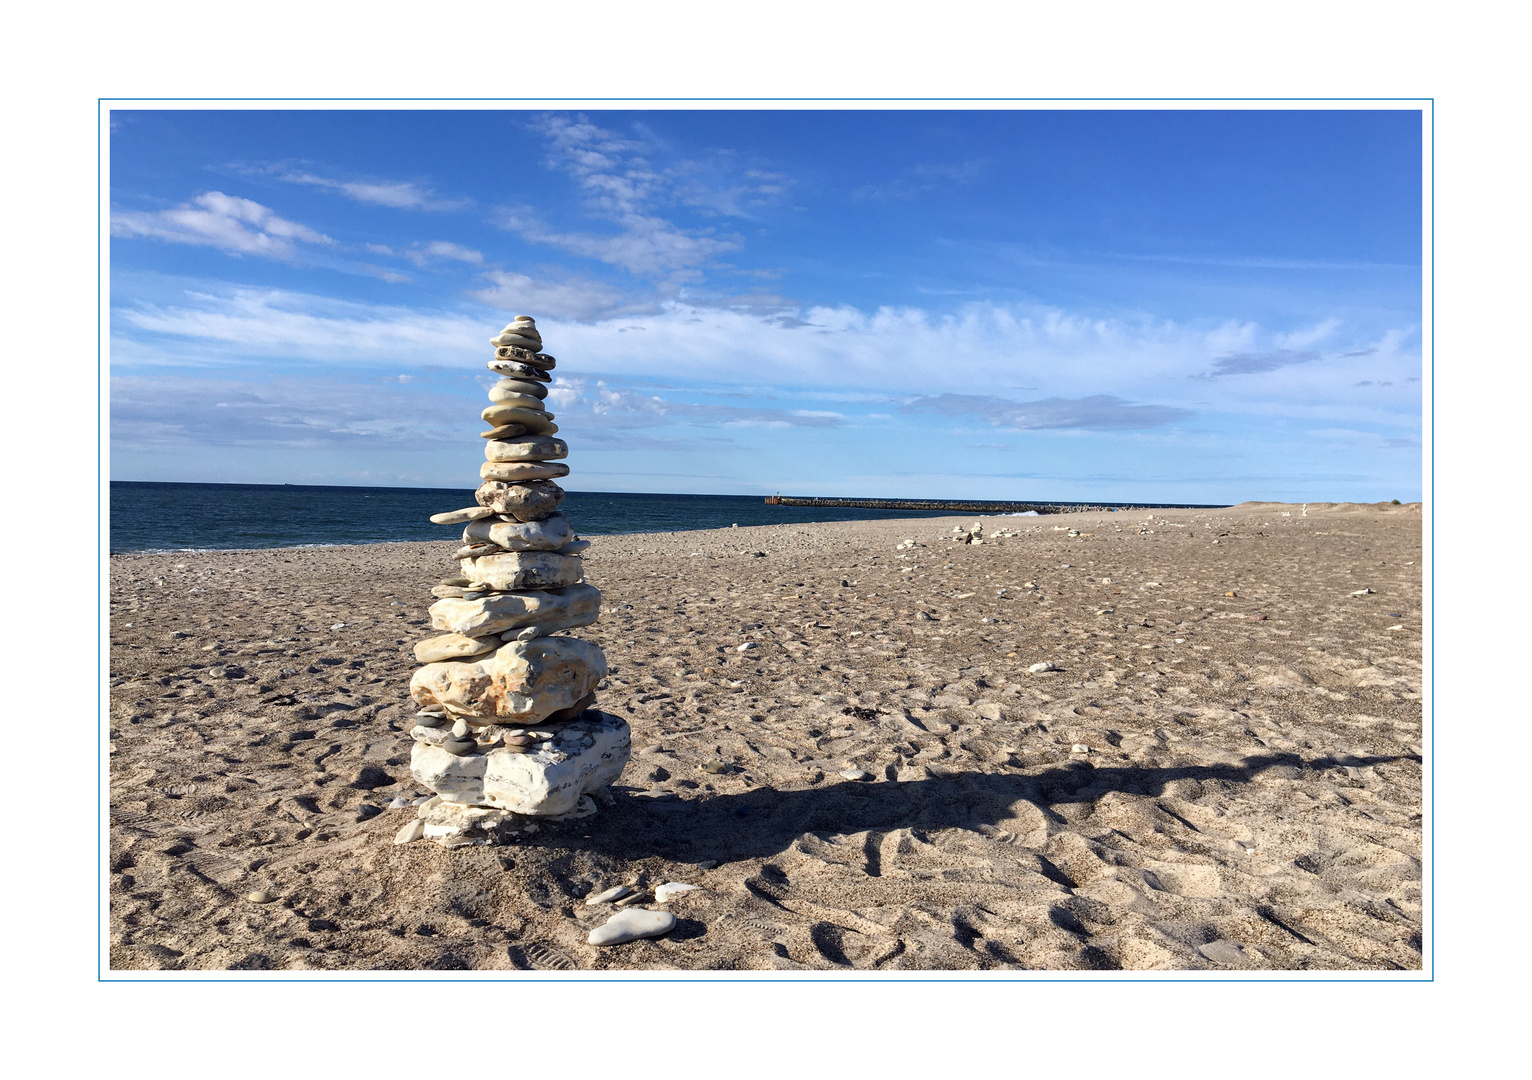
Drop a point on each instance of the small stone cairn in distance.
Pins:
(507, 733)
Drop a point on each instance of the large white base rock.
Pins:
(522, 683)
(589, 755)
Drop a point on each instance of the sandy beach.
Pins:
(1223, 773)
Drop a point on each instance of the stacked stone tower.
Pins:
(507, 732)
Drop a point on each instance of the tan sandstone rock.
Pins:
(524, 500)
(523, 470)
(548, 611)
(523, 682)
(535, 448)
(549, 534)
(453, 647)
(524, 570)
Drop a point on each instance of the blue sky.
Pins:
(1185, 306)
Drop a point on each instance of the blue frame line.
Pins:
(1211, 978)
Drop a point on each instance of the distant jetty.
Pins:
(967, 506)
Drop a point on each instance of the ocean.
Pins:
(180, 517)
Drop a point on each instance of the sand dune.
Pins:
(1250, 797)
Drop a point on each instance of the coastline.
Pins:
(1249, 795)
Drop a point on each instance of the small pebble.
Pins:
(411, 832)
(746, 647)
(708, 864)
(399, 802)
(1079, 748)
(856, 774)
(1046, 665)
(260, 896)
(716, 767)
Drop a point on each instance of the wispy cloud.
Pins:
(622, 184)
(1098, 412)
(619, 407)
(571, 298)
(235, 225)
(1255, 363)
(1091, 373)
(398, 194)
(439, 250)
(177, 412)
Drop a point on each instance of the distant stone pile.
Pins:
(506, 730)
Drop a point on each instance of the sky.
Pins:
(1203, 306)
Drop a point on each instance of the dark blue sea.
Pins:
(171, 517)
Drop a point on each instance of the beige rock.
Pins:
(523, 470)
(538, 423)
(548, 610)
(519, 341)
(536, 448)
(549, 534)
(453, 647)
(524, 500)
(522, 682)
(516, 570)
(454, 517)
(516, 399)
(541, 784)
(523, 386)
(504, 431)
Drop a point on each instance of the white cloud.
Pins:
(435, 250)
(233, 224)
(827, 356)
(398, 194)
(170, 412)
(577, 298)
(623, 187)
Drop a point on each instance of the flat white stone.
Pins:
(521, 683)
(538, 423)
(664, 892)
(1038, 669)
(411, 832)
(524, 570)
(549, 610)
(544, 784)
(516, 399)
(525, 387)
(549, 534)
(523, 470)
(457, 517)
(574, 547)
(532, 448)
(606, 896)
(631, 924)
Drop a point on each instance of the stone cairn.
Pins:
(506, 734)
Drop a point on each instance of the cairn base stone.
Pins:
(521, 683)
(589, 754)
